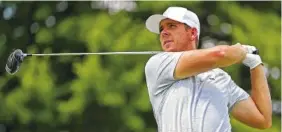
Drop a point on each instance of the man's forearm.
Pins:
(231, 55)
(194, 62)
(260, 94)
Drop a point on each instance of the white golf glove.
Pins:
(251, 60)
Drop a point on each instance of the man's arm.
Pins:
(198, 61)
(256, 111)
(261, 94)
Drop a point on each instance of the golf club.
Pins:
(16, 58)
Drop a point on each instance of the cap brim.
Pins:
(152, 23)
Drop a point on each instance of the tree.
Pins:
(109, 93)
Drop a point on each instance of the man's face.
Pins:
(174, 36)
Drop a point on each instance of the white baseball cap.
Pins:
(179, 14)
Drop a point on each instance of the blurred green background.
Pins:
(109, 93)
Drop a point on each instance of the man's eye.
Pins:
(172, 25)
(161, 29)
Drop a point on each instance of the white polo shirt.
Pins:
(196, 104)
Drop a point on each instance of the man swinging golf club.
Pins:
(188, 90)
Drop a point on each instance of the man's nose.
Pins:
(164, 33)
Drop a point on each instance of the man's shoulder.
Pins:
(156, 58)
(152, 62)
(160, 58)
(163, 56)
(153, 58)
(162, 61)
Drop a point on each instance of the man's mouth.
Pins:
(167, 41)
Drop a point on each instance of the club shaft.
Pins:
(106, 53)
(98, 53)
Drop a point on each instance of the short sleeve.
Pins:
(160, 69)
(236, 94)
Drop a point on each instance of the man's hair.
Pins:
(197, 40)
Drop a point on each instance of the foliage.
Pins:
(109, 93)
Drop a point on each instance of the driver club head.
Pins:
(14, 61)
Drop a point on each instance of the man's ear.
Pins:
(194, 33)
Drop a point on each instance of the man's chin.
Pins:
(175, 50)
(169, 50)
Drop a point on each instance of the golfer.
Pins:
(188, 90)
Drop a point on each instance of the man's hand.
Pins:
(250, 49)
(251, 60)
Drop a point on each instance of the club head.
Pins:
(14, 61)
